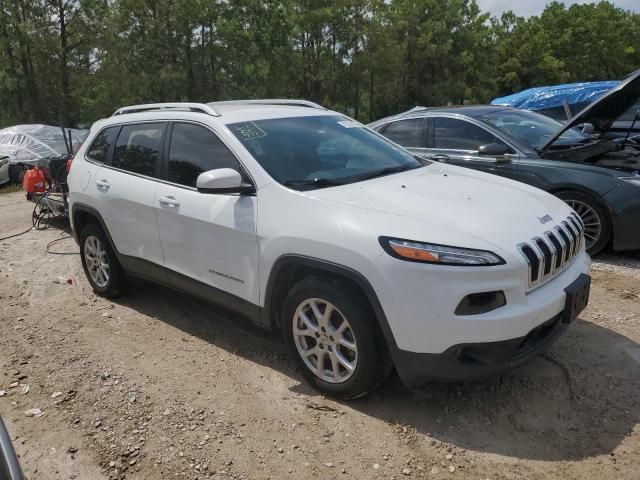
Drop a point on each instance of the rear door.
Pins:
(456, 141)
(124, 188)
(411, 133)
(206, 237)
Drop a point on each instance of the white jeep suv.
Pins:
(364, 256)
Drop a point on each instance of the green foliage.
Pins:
(73, 61)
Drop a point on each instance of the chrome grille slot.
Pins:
(557, 249)
(566, 248)
(548, 255)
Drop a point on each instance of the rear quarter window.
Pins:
(101, 145)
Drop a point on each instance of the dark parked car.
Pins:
(598, 177)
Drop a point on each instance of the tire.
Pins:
(366, 353)
(594, 216)
(15, 173)
(100, 264)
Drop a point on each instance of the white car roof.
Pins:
(226, 112)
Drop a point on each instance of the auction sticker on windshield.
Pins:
(249, 130)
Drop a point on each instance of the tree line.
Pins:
(74, 61)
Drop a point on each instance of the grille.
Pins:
(550, 253)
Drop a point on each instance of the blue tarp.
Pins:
(542, 98)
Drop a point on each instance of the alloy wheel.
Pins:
(591, 220)
(97, 262)
(325, 340)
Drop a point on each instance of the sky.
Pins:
(526, 8)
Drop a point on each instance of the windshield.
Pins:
(320, 151)
(532, 129)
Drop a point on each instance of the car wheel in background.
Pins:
(597, 225)
(16, 173)
(332, 335)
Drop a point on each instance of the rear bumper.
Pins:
(473, 361)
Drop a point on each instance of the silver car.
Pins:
(4, 169)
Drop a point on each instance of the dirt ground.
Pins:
(157, 385)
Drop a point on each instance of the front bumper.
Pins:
(473, 361)
(419, 302)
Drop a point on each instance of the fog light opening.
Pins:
(477, 303)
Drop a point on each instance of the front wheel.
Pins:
(332, 336)
(597, 227)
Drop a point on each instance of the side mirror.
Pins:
(493, 150)
(222, 181)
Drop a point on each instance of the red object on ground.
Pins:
(34, 181)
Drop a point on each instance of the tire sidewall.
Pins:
(369, 371)
(112, 287)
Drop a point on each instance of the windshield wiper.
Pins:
(315, 182)
(384, 171)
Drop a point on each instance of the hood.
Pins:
(481, 206)
(606, 110)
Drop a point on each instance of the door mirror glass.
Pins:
(587, 128)
(222, 180)
(493, 150)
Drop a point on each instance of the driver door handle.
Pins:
(440, 157)
(169, 201)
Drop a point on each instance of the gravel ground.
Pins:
(157, 385)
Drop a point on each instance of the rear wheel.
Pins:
(331, 334)
(597, 227)
(100, 264)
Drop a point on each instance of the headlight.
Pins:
(3, 161)
(634, 180)
(439, 254)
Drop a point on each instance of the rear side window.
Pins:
(409, 133)
(100, 147)
(194, 150)
(138, 148)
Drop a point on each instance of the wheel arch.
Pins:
(82, 215)
(289, 269)
(596, 197)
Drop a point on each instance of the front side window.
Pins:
(320, 151)
(138, 148)
(99, 149)
(454, 134)
(410, 133)
(194, 150)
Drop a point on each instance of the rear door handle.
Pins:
(103, 184)
(440, 157)
(169, 201)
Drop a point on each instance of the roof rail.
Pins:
(192, 107)
(292, 102)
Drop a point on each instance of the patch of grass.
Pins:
(9, 188)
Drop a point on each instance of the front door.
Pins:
(456, 141)
(209, 238)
